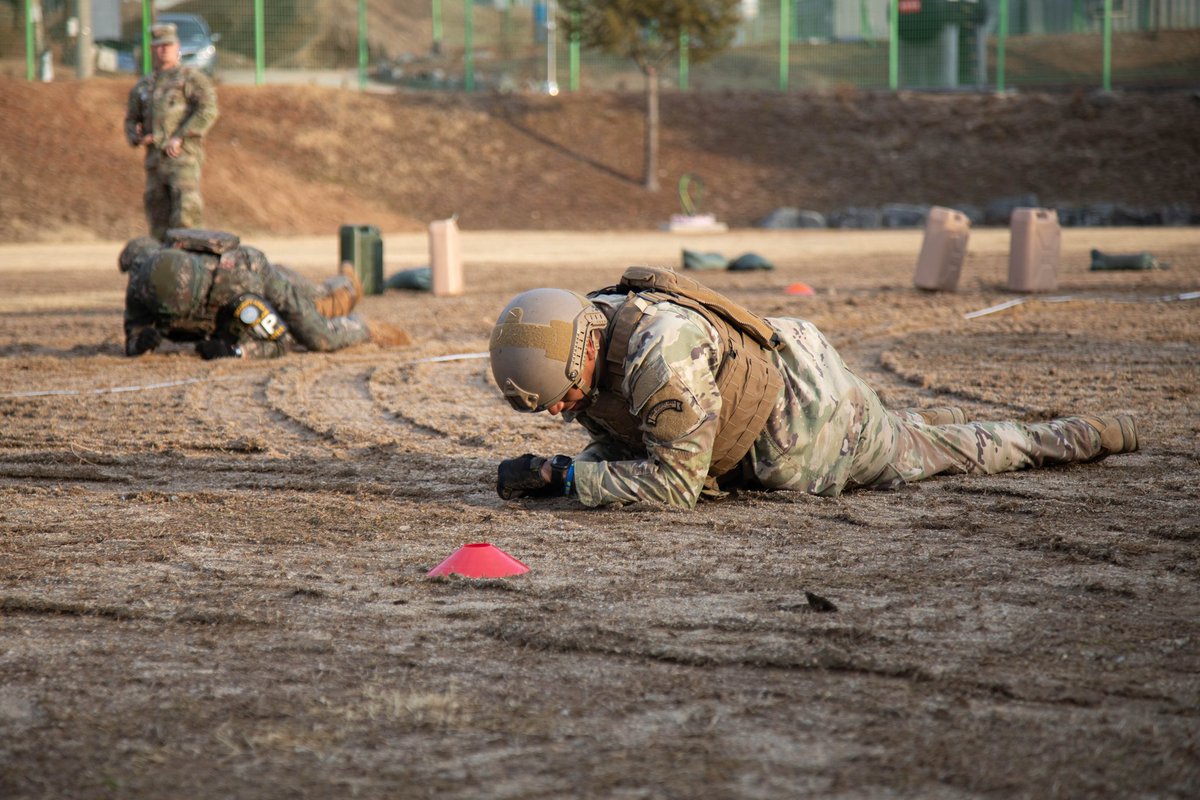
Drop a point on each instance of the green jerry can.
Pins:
(362, 246)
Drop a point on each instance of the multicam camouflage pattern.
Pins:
(190, 296)
(829, 431)
(181, 102)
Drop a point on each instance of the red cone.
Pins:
(802, 289)
(479, 560)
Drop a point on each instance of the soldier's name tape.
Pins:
(210, 379)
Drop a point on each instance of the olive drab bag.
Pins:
(200, 240)
(747, 378)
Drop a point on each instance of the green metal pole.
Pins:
(784, 42)
(260, 57)
(1001, 41)
(147, 21)
(573, 79)
(437, 26)
(1107, 68)
(894, 45)
(683, 61)
(362, 44)
(469, 44)
(29, 43)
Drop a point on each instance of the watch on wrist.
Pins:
(562, 474)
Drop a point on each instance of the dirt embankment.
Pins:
(303, 160)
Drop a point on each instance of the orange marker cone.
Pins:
(479, 560)
(802, 289)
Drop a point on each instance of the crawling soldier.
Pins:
(205, 287)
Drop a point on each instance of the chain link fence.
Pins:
(525, 45)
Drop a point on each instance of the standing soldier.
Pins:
(685, 392)
(169, 113)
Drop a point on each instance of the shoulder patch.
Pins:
(670, 414)
(645, 382)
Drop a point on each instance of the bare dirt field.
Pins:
(213, 574)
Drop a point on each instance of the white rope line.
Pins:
(1062, 298)
(168, 384)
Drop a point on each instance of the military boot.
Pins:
(387, 335)
(341, 299)
(1117, 434)
(940, 415)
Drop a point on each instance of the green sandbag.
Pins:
(749, 261)
(419, 279)
(1109, 261)
(702, 261)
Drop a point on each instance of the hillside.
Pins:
(304, 160)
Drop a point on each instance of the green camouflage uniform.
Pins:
(190, 296)
(182, 102)
(828, 432)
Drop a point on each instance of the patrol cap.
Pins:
(163, 33)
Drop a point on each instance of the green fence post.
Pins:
(259, 44)
(147, 20)
(469, 44)
(784, 43)
(683, 61)
(894, 46)
(362, 44)
(573, 80)
(437, 27)
(1106, 69)
(29, 55)
(1001, 40)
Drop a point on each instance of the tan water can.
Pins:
(445, 257)
(1035, 244)
(943, 250)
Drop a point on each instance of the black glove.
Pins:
(217, 348)
(146, 339)
(522, 477)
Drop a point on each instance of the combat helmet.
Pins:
(178, 283)
(539, 345)
(136, 250)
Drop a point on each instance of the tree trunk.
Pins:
(650, 165)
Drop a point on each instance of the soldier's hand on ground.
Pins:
(522, 477)
(217, 348)
(147, 339)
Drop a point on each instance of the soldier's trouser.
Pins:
(909, 451)
(295, 297)
(832, 432)
(172, 200)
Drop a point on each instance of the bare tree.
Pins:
(651, 32)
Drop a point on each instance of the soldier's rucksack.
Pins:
(200, 240)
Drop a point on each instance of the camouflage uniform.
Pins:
(828, 431)
(191, 296)
(182, 102)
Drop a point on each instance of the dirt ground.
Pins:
(213, 574)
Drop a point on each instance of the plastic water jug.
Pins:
(1035, 244)
(943, 250)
